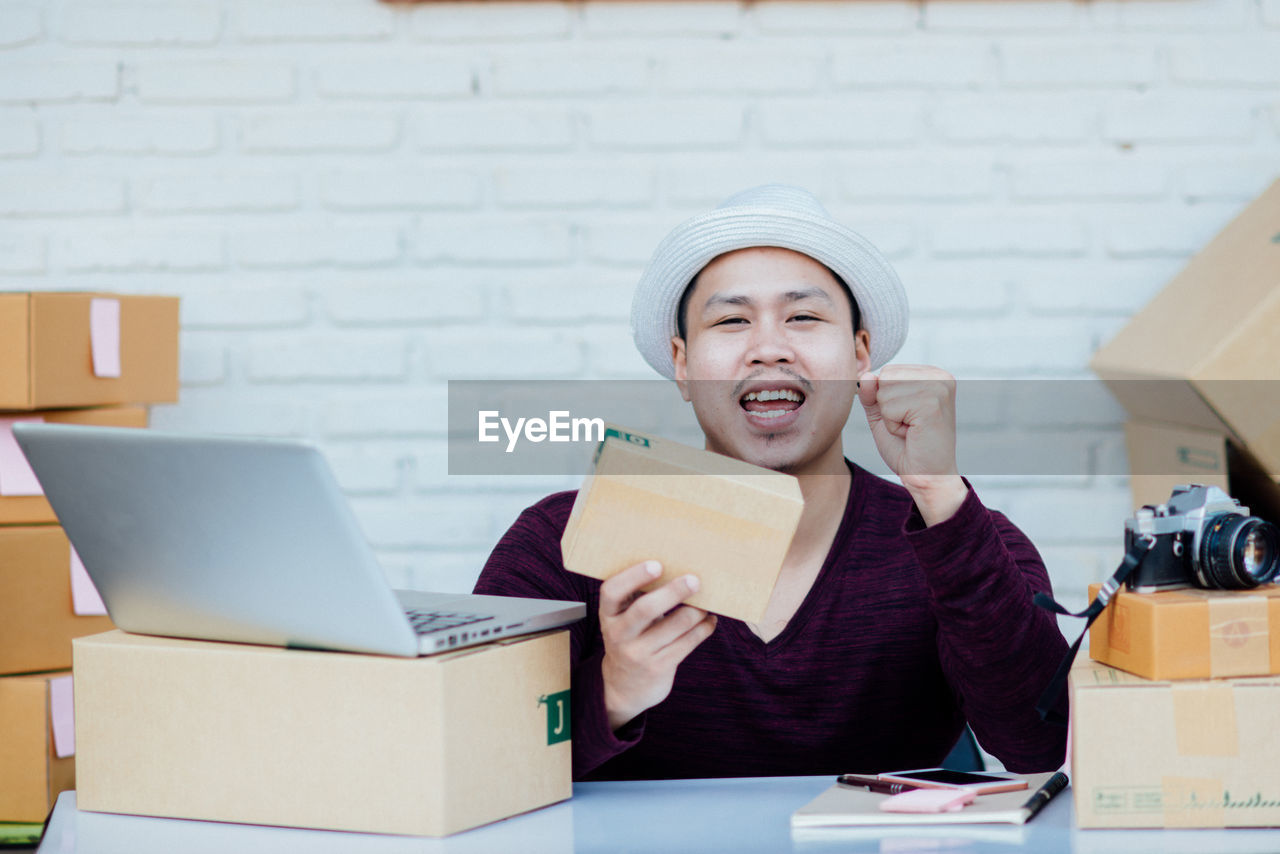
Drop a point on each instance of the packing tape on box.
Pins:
(1239, 639)
(1204, 719)
(1193, 801)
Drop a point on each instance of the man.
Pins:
(900, 611)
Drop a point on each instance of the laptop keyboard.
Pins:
(429, 622)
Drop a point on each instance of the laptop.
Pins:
(248, 540)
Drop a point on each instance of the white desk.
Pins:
(740, 816)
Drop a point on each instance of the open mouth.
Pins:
(772, 404)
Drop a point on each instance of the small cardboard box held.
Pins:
(31, 772)
(1173, 754)
(37, 622)
(728, 522)
(1190, 633)
(1162, 456)
(47, 351)
(35, 509)
(1204, 352)
(262, 735)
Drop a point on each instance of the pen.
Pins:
(1044, 794)
(873, 784)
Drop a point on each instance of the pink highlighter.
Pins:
(929, 800)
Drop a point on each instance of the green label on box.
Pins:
(557, 716)
(633, 438)
(1198, 457)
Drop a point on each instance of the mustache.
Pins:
(803, 382)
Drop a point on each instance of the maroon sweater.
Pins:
(907, 633)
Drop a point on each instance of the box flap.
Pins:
(1197, 316)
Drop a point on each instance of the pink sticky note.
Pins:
(62, 714)
(85, 599)
(104, 336)
(928, 800)
(16, 476)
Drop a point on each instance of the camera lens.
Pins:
(1237, 552)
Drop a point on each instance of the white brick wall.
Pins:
(360, 201)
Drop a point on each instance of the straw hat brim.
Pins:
(875, 285)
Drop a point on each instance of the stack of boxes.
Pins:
(227, 731)
(73, 358)
(1175, 721)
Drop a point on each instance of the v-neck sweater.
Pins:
(907, 632)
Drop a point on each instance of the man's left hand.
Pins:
(911, 410)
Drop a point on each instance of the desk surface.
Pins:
(739, 815)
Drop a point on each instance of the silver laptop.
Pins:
(248, 540)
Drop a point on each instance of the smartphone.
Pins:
(944, 778)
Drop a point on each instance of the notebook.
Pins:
(847, 806)
(248, 540)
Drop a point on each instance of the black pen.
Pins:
(874, 784)
(1044, 794)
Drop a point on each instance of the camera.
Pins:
(1201, 537)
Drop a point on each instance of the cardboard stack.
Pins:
(230, 731)
(74, 358)
(1174, 719)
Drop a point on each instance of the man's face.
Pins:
(771, 323)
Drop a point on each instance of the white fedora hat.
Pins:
(772, 215)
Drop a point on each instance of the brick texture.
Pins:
(361, 201)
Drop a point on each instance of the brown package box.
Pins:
(1204, 351)
(1162, 456)
(1190, 633)
(46, 359)
(37, 622)
(336, 741)
(1173, 754)
(726, 521)
(35, 509)
(31, 773)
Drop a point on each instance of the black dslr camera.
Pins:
(1203, 537)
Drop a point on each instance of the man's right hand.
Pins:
(645, 639)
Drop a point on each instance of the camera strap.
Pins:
(1132, 558)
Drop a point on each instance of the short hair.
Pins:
(682, 309)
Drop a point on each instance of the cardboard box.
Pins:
(47, 350)
(33, 773)
(1190, 633)
(338, 741)
(35, 509)
(1162, 456)
(726, 521)
(37, 621)
(1173, 754)
(1204, 352)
